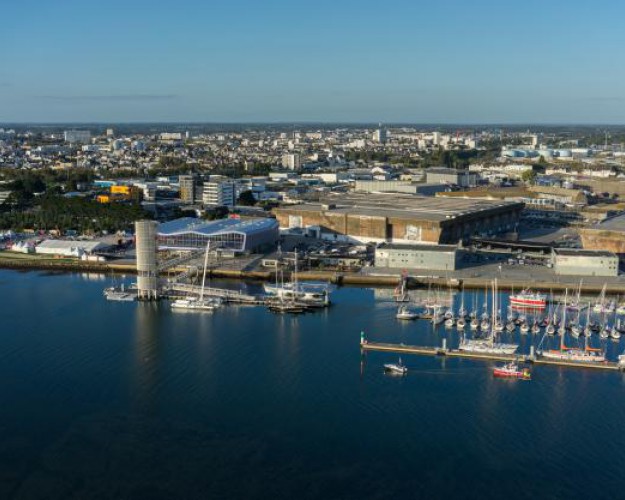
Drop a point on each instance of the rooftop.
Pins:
(404, 206)
(200, 226)
(425, 248)
(574, 252)
(612, 224)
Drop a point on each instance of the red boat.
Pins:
(527, 298)
(511, 370)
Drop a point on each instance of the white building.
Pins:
(219, 193)
(77, 136)
(380, 135)
(291, 161)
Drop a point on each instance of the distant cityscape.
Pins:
(354, 185)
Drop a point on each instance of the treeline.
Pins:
(79, 214)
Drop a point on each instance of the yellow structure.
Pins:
(103, 198)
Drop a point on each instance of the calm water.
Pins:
(107, 400)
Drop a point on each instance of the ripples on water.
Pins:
(122, 400)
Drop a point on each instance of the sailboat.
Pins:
(401, 295)
(198, 304)
(603, 305)
(314, 296)
(488, 345)
(587, 354)
(404, 312)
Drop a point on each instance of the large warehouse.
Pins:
(399, 218)
(238, 235)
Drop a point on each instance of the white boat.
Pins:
(475, 324)
(312, 294)
(396, 368)
(615, 334)
(586, 355)
(603, 305)
(404, 312)
(525, 328)
(488, 345)
(195, 304)
(620, 310)
(198, 303)
(461, 323)
(120, 294)
(449, 323)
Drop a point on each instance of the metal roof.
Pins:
(221, 226)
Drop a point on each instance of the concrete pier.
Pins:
(456, 353)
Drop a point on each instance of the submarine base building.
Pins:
(397, 218)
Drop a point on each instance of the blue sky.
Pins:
(478, 61)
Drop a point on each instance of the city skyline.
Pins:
(278, 63)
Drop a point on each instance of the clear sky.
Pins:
(469, 61)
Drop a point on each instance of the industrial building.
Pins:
(394, 186)
(236, 235)
(574, 262)
(442, 175)
(400, 218)
(433, 257)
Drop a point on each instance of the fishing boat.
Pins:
(512, 370)
(404, 312)
(525, 328)
(528, 299)
(461, 323)
(615, 334)
(474, 324)
(396, 368)
(449, 322)
(535, 327)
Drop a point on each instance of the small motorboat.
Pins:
(615, 334)
(512, 370)
(396, 368)
(525, 328)
(535, 328)
(461, 323)
(449, 323)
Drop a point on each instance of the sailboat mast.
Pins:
(208, 244)
(563, 331)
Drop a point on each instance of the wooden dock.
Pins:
(456, 353)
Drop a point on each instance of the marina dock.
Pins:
(456, 353)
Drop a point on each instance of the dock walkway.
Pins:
(456, 353)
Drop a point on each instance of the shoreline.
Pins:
(334, 277)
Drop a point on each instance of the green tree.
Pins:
(246, 198)
(529, 176)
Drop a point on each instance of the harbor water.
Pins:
(127, 400)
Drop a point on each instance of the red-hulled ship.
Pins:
(527, 298)
(512, 370)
